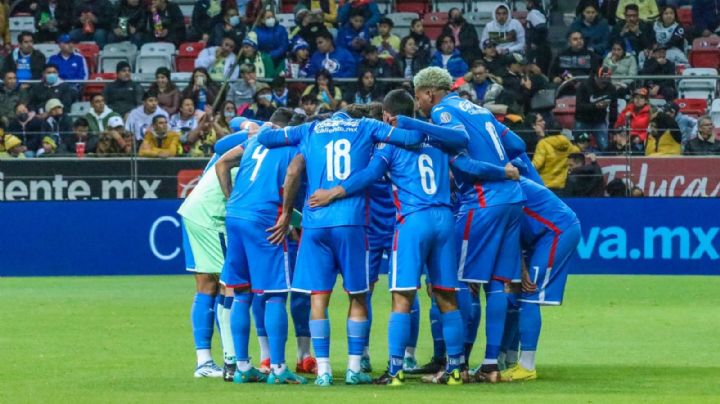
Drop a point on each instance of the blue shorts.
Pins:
(189, 258)
(489, 244)
(253, 261)
(547, 265)
(424, 238)
(326, 252)
(378, 262)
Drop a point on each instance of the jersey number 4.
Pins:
(427, 175)
(337, 155)
(258, 155)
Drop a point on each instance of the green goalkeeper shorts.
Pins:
(208, 248)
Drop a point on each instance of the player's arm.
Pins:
(288, 136)
(453, 138)
(384, 133)
(484, 171)
(358, 181)
(224, 165)
(226, 143)
(512, 143)
(526, 168)
(293, 178)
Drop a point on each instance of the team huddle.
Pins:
(285, 207)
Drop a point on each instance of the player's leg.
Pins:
(511, 337)
(399, 329)
(409, 361)
(226, 334)
(300, 313)
(258, 314)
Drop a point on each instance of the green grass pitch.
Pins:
(128, 339)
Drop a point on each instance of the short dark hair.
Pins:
(325, 35)
(297, 119)
(281, 117)
(80, 122)
(441, 38)
(633, 7)
(23, 35)
(157, 118)
(399, 102)
(386, 21)
(95, 96)
(573, 31)
(10, 71)
(149, 94)
(577, 157)
(307, 98)
(415, 21)
(49, 66)
(356, 12)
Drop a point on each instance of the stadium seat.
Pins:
(287, 20)
(79, 109)
(90, 52)
(485, 8)
(47, 49)
(20, 24)
(434, 23)
(564, 111)
(114, 53)
(478, 20)
(385, 6)
(657, 103)
(520, 16)
(705, 52)
(96, 88)
(702, 88)
(287, 6)
(154, 55)
(403, 19)
(187, 9)
(715, 113)
(692, 107)
(181, 78)
(685, 16)
(446, 5)
(187, 53)
(420, 7)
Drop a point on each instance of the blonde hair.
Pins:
(433, 77)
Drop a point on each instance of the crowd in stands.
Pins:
(509, 66)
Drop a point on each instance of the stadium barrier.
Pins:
(668, 236)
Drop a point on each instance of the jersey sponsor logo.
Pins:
(445, 117)
(470, 108)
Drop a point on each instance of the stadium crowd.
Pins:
(509, 66)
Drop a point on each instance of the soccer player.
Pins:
(203, 217)
(488, 224)
(252, 262)
(332, 235)
(423, 233)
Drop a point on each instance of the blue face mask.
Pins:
(234, 20)
(266, 97)
(51, 78)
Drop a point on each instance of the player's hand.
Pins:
(321, 197)
(511, 172)
(280, 230)
(527, 285)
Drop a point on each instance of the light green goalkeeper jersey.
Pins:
(205, 206)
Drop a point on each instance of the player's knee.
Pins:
(402, 302)
(358, 306)
(446, 300)
(206, 283)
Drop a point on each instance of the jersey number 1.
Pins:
(337, 155)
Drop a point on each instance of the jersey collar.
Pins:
(342, 115)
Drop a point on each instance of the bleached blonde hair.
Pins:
(433, 77)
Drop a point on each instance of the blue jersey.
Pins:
(334, 149)
(382, 214)
(544, 212)
(485, 145)
(257, 195)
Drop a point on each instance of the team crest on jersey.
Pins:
(445, 117)
(380, 146)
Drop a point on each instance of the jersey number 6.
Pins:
(427, 175)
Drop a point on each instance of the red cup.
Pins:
(80, 149)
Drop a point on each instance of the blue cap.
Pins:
(64, 38)
(235, 123)
(248, 41)
(300, 44)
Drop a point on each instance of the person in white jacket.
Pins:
(507, 32)
(140, 118)
(219, 60)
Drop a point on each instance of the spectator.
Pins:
(656, 65)
(71, 64)
(596, 105)
(204, 17)
(621, 64)
(51, 87)
(200, 141)
(52, 18)
(387, 43)
(594, 28)
(551, 158)
(168, 94)
(584, 180)
(130, 23)
(159, 140)
(115, 140)
(5, 27)
(219, 61)
(272, 38)
(533, 131)
(606, 8)
(354, 35)
(479, 85)
(506, 32)
(576, 60)
(310, 26)
(705, 143)
(705, 17)
(380, 67)
(249, 54)
(636, 116)
(48, 148)
(202, 89)
(671, 34)
(99, 115)
(328, 9)
(536, 34)
(141, 117)
(367, 7)
(463, 33)
(417, 32)
(229, 26)
(13, 148)
(448, 57)
(123, 94)
(492, 59)
(26, 125)
(336, 61)
(411, 58)
(297, 64)
(242, 91)
(687, 124)
(516, 86)
(324, 91)
(92, 21)
(80, 135)
(262, 106)
(166, 23)
(621, 144)
(308, 105)
(10, 95)
(664, 137)
(617, 188)
(647, 9)
(582, 141)
(281, 96)
(229, 112)
(637, 35)
(186, 119)
(57, 124)
(24, 60)
(366, 91)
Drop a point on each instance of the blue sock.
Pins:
(436, 329)
(414, 323)
(473, 325)
(320, 332)
(300, 312)
(276, 320)
(464, 301)
(398, 335)
(258, 312)
(357, 336)
(368, 304)
(510, 335)
(497, 303)
(240, 325)
(202, 316)
(454, 333)
(227, 303)
(530, 325)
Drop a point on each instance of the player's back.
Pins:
(485, 145)
(257, 195)
(544, 212)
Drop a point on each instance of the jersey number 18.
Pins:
(337, 155)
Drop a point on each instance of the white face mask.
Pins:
(270, 22)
